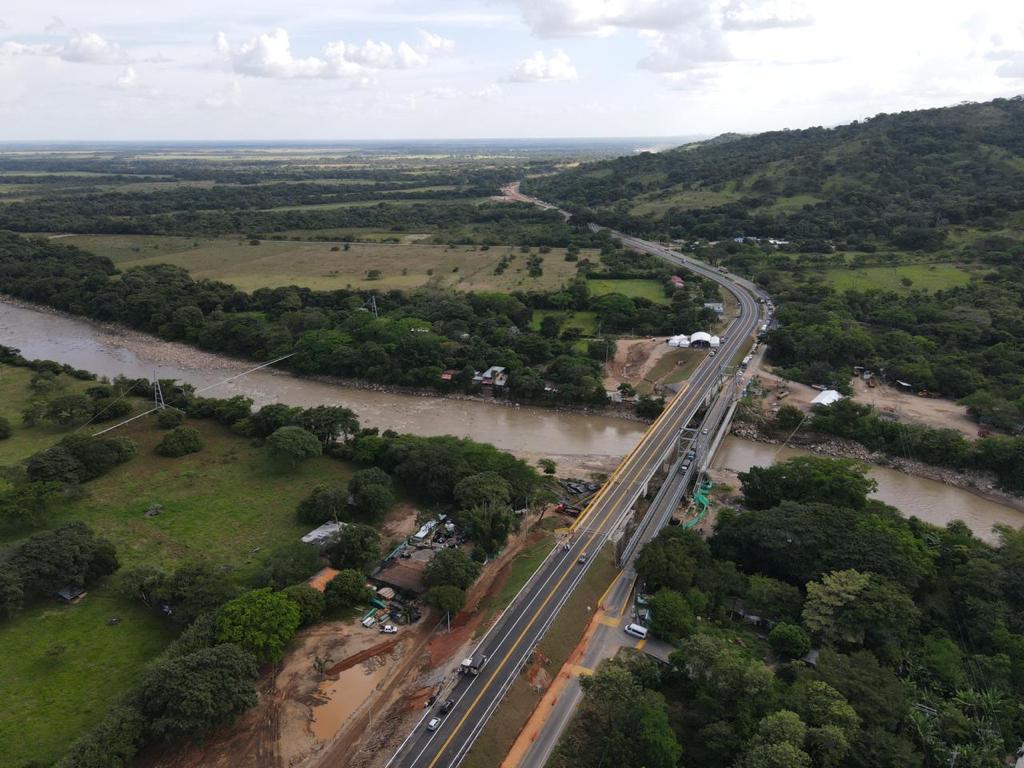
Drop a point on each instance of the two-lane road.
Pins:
(514, 636)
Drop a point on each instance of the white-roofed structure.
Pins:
(827, 397)
(700, 339)
(682, 340)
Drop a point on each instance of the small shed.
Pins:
(323, 534)
(70, 593)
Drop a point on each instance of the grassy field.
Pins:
(563, 636)
(636, 289)
(928, 277)
(585, 321)
(64, 667)
(14, 397)
(330, 266)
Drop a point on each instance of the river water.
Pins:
(926, 499)
(525, 431)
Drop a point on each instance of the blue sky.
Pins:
(111, 69)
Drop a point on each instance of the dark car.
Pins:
(447, 706)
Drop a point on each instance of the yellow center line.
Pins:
(622, 490)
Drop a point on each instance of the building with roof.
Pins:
(323, 534)
(715, 306)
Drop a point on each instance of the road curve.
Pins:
(512, 638)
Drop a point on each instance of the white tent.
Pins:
(827, 397)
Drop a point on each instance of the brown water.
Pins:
(926, 499)
(342, 697)
(109, 352)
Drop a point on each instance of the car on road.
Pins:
(389, 629)
(447, 706)
(433, 723)
(582, 558)
(636, 630)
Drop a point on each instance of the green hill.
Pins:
(895, 180)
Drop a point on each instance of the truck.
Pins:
(723, 270)
(473, 664)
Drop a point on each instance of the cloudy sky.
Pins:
(303, 69)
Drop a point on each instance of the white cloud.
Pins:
(56, 26)
(487, 93)
(771, 14)
(540, 68)
(3, 24)
(1011, 63)
(270, 55)
(442, 92)
(90, 48)
(128, 79)
(685, 49)
(224, 98)
(570, 18)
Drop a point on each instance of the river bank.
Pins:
(576, 439)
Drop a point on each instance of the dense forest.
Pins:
(916, 630)
(416, 336)
(897, 180)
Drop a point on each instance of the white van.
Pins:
(636, 630)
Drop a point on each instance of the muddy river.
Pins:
(525, 431)
(924, 498)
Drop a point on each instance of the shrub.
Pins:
(347, 590)
(311, 602)
(789, 640)
(291, 446)
(179, 442)
(321, 505)
(168, 418)
(5, 428)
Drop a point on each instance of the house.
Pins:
(677, 282)
(424, 532)
(495, 376)
(323, 534)
(402, 575)
(715, 306)
(448, 375)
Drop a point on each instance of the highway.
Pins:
(510, 641)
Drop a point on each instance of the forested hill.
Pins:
(895, 180)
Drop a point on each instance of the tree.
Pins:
(772, 598)
(69, 409)
(778, 743)
(548, 466)
(322, 505)
(5, 428)
(111, 744)
(289, 563)
(488, 526)
(789, 640)
(261, 622)
(270, 418)
(328, 422)
(179, 442)
(357, 547)
(446, 598)
(27, 505)
(666, 562)
(482, 489)
(11, 591)
(291, 446)
(451, 567)
(194, 589)
(671, 616)
(649, 407)
(70, 554)
(842, 482)
(347, 590)
(788, 418)
(311, 602)
(849, 608)
(372, 492)
(187, 695)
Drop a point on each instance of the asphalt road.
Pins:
(512, 638)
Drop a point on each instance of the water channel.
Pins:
(109, 351)
(528, 432)
(922, 497)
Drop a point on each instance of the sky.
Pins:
(401, 69)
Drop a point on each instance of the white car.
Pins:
(433, 723)
(389, 629)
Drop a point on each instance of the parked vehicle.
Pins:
(636, 631)
(369, 621)
(389, 629)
